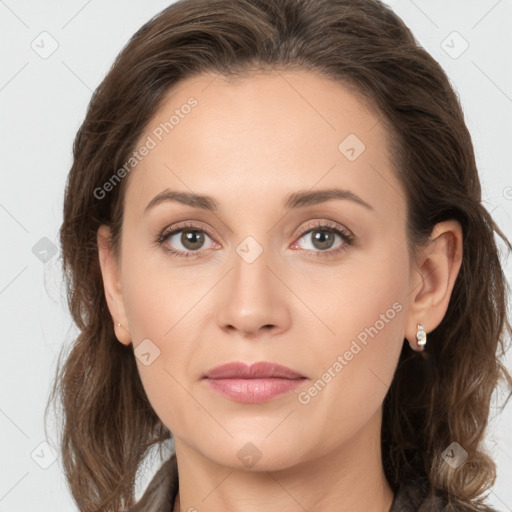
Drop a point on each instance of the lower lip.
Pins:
(254, 390)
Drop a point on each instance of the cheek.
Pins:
(158, 324)
(161, 306)
(364, 309)
(155, 295)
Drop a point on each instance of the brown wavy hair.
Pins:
(108, 423)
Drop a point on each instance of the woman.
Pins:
(281, 268)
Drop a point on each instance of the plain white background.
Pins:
(43, 99)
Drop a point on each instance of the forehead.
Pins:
(263, 134)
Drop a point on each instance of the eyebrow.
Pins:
(299, 199)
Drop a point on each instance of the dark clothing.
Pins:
(161, 492)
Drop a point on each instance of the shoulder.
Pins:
(417, 496)
(161, 491)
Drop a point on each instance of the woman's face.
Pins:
(274, 267)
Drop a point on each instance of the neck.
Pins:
(348, 478)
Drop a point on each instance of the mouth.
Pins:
(259, 382)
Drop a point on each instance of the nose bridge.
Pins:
(251, 262)
(253, 298)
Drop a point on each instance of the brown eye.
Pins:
(322, 239)
(183, 241)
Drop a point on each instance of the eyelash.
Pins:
(345, 235)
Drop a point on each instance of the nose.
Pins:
(254, 300)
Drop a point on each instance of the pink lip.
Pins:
(256, 383)
(239, 370)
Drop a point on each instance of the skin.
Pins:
(249, 143)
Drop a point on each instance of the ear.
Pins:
(434, 275)
(112, 284)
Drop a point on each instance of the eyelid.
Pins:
(320, 223)
(192, 225)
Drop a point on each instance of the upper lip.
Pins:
(240, 370)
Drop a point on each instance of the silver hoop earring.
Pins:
(421, 338)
